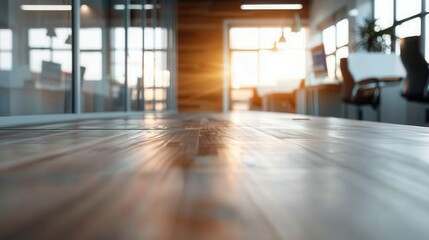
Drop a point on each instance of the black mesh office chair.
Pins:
(415, 85)
(364, 92)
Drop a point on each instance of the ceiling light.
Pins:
(46, 7)
(354, 12)
(271, 6)
(51, 33)
(134, 7)
(84, 8)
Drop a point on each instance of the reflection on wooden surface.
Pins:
(213, 176)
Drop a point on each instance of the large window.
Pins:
(258, 62)
(408, 20)
(407, 8)
(384, 12)
(336, 39)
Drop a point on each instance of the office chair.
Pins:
(415, 85)
(364, 92)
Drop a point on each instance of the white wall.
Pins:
(320, 10)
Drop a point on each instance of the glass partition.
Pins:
(102, 55)
(36, 56)
(35, 61)
(136, 62)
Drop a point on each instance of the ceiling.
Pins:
(231, 8)
(245, 1)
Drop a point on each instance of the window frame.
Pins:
(162, 17)
(421, 15)
(337, 76)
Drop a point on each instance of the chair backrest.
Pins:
(415, 84)
(348, 81)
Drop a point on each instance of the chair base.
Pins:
(359, 111)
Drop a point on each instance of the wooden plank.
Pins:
(248, 175)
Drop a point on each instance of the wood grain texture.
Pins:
(212, 176)
(200, 49)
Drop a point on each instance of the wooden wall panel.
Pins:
(200, 49)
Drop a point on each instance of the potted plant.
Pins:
(375, 42)
(372, 38)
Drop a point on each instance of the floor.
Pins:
(214, 176)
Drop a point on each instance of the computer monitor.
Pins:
(319, 61)
(50, 71)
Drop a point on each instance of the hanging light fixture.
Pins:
(296, 24)
(51, 32)
(282, 38)
(281, 43)
(69, 39)
(296, 28)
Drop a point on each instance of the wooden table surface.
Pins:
(213, 176)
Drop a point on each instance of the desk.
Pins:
(279, 102)
(320, 100)
(249, 175)
(31, 101)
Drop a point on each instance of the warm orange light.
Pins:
(84, 8)
(260, 61)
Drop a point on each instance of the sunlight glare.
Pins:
(255, 61)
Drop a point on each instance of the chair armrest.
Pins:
(365, 84)
(378, 82)
(390, 79)
(368, 81)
